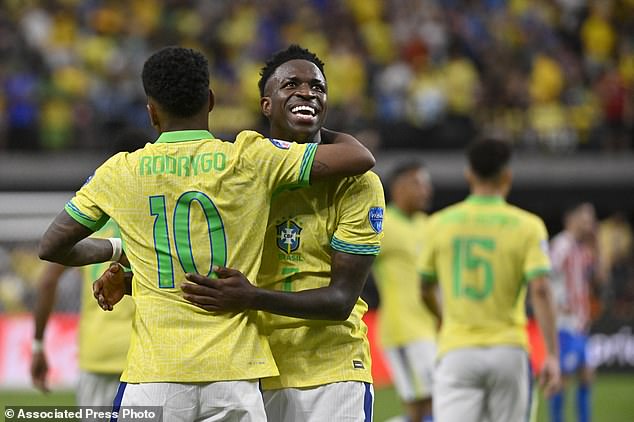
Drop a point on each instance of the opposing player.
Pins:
(407, 328)
(187, 203)
(574, 266)
(103, 339)
(484, 253)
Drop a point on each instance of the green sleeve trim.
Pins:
(83, 219)
(307, 165)
(538, 272)
(428, 276)
(341, 246)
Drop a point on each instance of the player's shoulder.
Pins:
(525, 217)
(251, 138)
(368, 181)
(448, 213)
(118, 162)
(248, 136)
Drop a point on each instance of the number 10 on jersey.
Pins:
(181, 234)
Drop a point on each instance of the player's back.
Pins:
(183, 204)
(482, 252)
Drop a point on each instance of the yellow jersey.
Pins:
(185, 203)
(104, 337)
(305, 227)
(482, 252)
(403, 317)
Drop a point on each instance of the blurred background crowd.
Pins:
(550, 75)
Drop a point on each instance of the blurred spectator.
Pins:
(551, 75)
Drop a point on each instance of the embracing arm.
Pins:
(65, 243)
(233, 292)
(430, 298)
(340, 155)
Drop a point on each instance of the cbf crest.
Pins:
(375, 216)
(288, 236)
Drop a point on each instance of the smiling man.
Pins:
(319, 248)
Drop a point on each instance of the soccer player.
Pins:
(484, 254)
(574, 265)
(319, 248)
(407, 328)
(103, 338)
(184, 204)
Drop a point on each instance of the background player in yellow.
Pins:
(407, 328)
(484, 253)
(103, 339)
(184, 204)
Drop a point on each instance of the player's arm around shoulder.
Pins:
(340, 155)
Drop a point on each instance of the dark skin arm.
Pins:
(340, 155)
(233, 292)
(65, 243)
(542, 300)
(45, 301)
(430, 298)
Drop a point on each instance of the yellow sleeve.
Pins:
(427, 259)
(281, 164)
(360, 209)
(89, 206)
(537, 261)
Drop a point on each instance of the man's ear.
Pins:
(151, 111)
(212, 100)
(265, 105)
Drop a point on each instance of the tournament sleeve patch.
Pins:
(280, 144)
(375, 216)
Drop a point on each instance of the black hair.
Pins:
(403, 168)
(293, 52)
(487, 157)
(178, 79)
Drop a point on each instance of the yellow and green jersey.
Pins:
(305, 227)
(104, 337)
(403, 317)
(185, 203)
(482, 252)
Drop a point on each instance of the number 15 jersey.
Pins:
(482, 252)
(185, 203)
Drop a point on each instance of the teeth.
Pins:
(297, 109)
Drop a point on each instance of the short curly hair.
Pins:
(293, 52)
(487, 157)
(178, 78)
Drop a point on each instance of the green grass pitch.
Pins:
(612, 400)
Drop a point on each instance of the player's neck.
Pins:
(300, 138)
(403, 208)
(173, 125)
(486, 189)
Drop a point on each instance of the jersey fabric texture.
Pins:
(403, 318)
(104, 337)
(185, 203)
(482, 252)
(305, 227)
